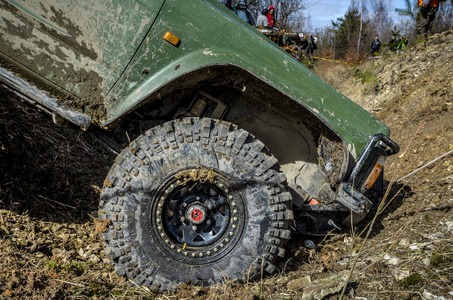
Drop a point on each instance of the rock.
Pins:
(323, 287)
(57, 252)
(309, 244)
(299, 283)
(106, 261)
(404, 242)
(429, 296)
(94, 259)
(401, 274)
(94, 247)
(56, 227)
(81, 253)
(426, 262)
(391, 260)
(449, 226)
(414, 247)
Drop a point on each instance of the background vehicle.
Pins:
(232, 142)
(293, 43)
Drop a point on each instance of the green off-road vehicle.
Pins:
(234, 143)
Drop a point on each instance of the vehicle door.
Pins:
(82, 46)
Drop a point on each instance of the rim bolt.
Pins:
(233, 203)
(226, 191)
(172, 246)
(158, 220)
(221, 185)
(162, 198)
(208, 253)
(194, 227)
(159, 227)
(235, 219)
(158, 212)
(167, 191)
(185, 253)
(184, 205)
(222, 245)
(231, 233)
(230, 197)
(159, 205)
(227, 240)
(179, 250)
(198, 198)
(193, 254)
(162, 234)
(183, 219)
(235, 211)
(201, 254)
(234, 226)
(172, 186)
(167, 241)
(215, 249)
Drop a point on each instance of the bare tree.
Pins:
(410, 10)
(444, 17)
(288, 13)
(379, 16)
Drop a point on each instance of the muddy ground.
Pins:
(50, 179)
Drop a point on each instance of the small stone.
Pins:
(309, 244)
(57, 252)
(94, 259)
(391, 260)
(323, 287)
(449, 226)
(413, 247)
(426, 262)
(299, 283)
(81, 253)
(106, 261)
(401, 274)
(404, 242)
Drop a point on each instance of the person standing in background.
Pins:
(375, 46)
(271, 16)
(402, 44)
(425, 17)
(262, 19)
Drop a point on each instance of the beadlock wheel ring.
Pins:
(197, 222)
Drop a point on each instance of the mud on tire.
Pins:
(195, 201)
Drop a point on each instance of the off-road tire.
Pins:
(164, 189)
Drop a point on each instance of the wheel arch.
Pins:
(292, 131)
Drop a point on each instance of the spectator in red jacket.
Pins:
(271, 16)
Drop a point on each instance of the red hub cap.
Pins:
(196, 213)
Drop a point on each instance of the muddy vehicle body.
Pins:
(226, 143)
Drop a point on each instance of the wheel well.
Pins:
(301, 142)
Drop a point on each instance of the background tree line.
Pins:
(349, 37)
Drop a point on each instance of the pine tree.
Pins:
(347, 33)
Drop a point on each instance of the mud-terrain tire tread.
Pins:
(148, 154)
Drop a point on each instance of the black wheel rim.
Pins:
(197, 220)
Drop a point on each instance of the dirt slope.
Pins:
(50, 179)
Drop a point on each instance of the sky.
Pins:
(323, 11)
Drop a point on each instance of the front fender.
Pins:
(211, 35)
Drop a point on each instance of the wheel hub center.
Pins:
(196, 214)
